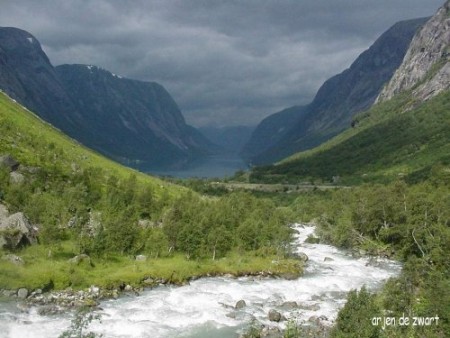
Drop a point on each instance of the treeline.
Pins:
(104, 214)
(411, 223)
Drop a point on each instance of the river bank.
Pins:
(207, 307)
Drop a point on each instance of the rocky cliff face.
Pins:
(27, 76)
(425, 68)
(138, 120)
(130, 121)
(339, 98)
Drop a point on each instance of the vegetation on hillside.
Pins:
(85, 204)
(396, 138)
(407, 222)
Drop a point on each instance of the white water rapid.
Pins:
(205, 308)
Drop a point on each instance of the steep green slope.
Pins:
(400, 137)
(88, 218)
(36, 143)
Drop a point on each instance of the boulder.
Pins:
(240, 304)
(8, 162)
(17, 231)
(22, 293)
(275, 316)
(301, 256)
(328, 259)
(49, 310)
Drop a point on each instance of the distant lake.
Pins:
(219, 166)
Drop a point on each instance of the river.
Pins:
(204, 307)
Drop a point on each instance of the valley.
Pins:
(119, 217)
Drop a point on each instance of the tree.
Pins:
(80, 323)
(355, 318)
(219, 241)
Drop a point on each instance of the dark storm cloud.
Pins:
(224, 62)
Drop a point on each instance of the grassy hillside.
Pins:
(34, 142)
(83, 203)
(400, 137)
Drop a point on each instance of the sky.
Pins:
(224, 62)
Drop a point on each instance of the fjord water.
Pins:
(214, 166)
(205, 308)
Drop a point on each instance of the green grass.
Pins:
(34, 142)
(397, 138)
(43, 271)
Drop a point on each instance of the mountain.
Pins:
(230, 138)
(425, 67)
(128, 120)
(271, 130)
(27, 76)
(338, 99)
(405, 134)
(138, 120)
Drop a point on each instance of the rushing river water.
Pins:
(205, 307)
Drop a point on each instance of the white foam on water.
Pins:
(205, 308)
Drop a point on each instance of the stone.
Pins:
(8, 162)
(274, 316)
(8, 293)
(128, 288)
(16, 231)
(271, 332)
(290, 305)
(13, 259)
(22, 293)
(240, 304)
(149, 281)
(289, 276)
(328, 259)
(79, 259)
(301, 256)
(95, 290)
(141, 258)
(49, 310)
(3, 212)
(16, 178)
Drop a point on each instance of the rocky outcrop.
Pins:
(8, 162)
(426, 63)
(15, 230)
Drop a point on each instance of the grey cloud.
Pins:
(224, 62)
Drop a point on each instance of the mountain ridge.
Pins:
(159, 137)
(343, 95)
